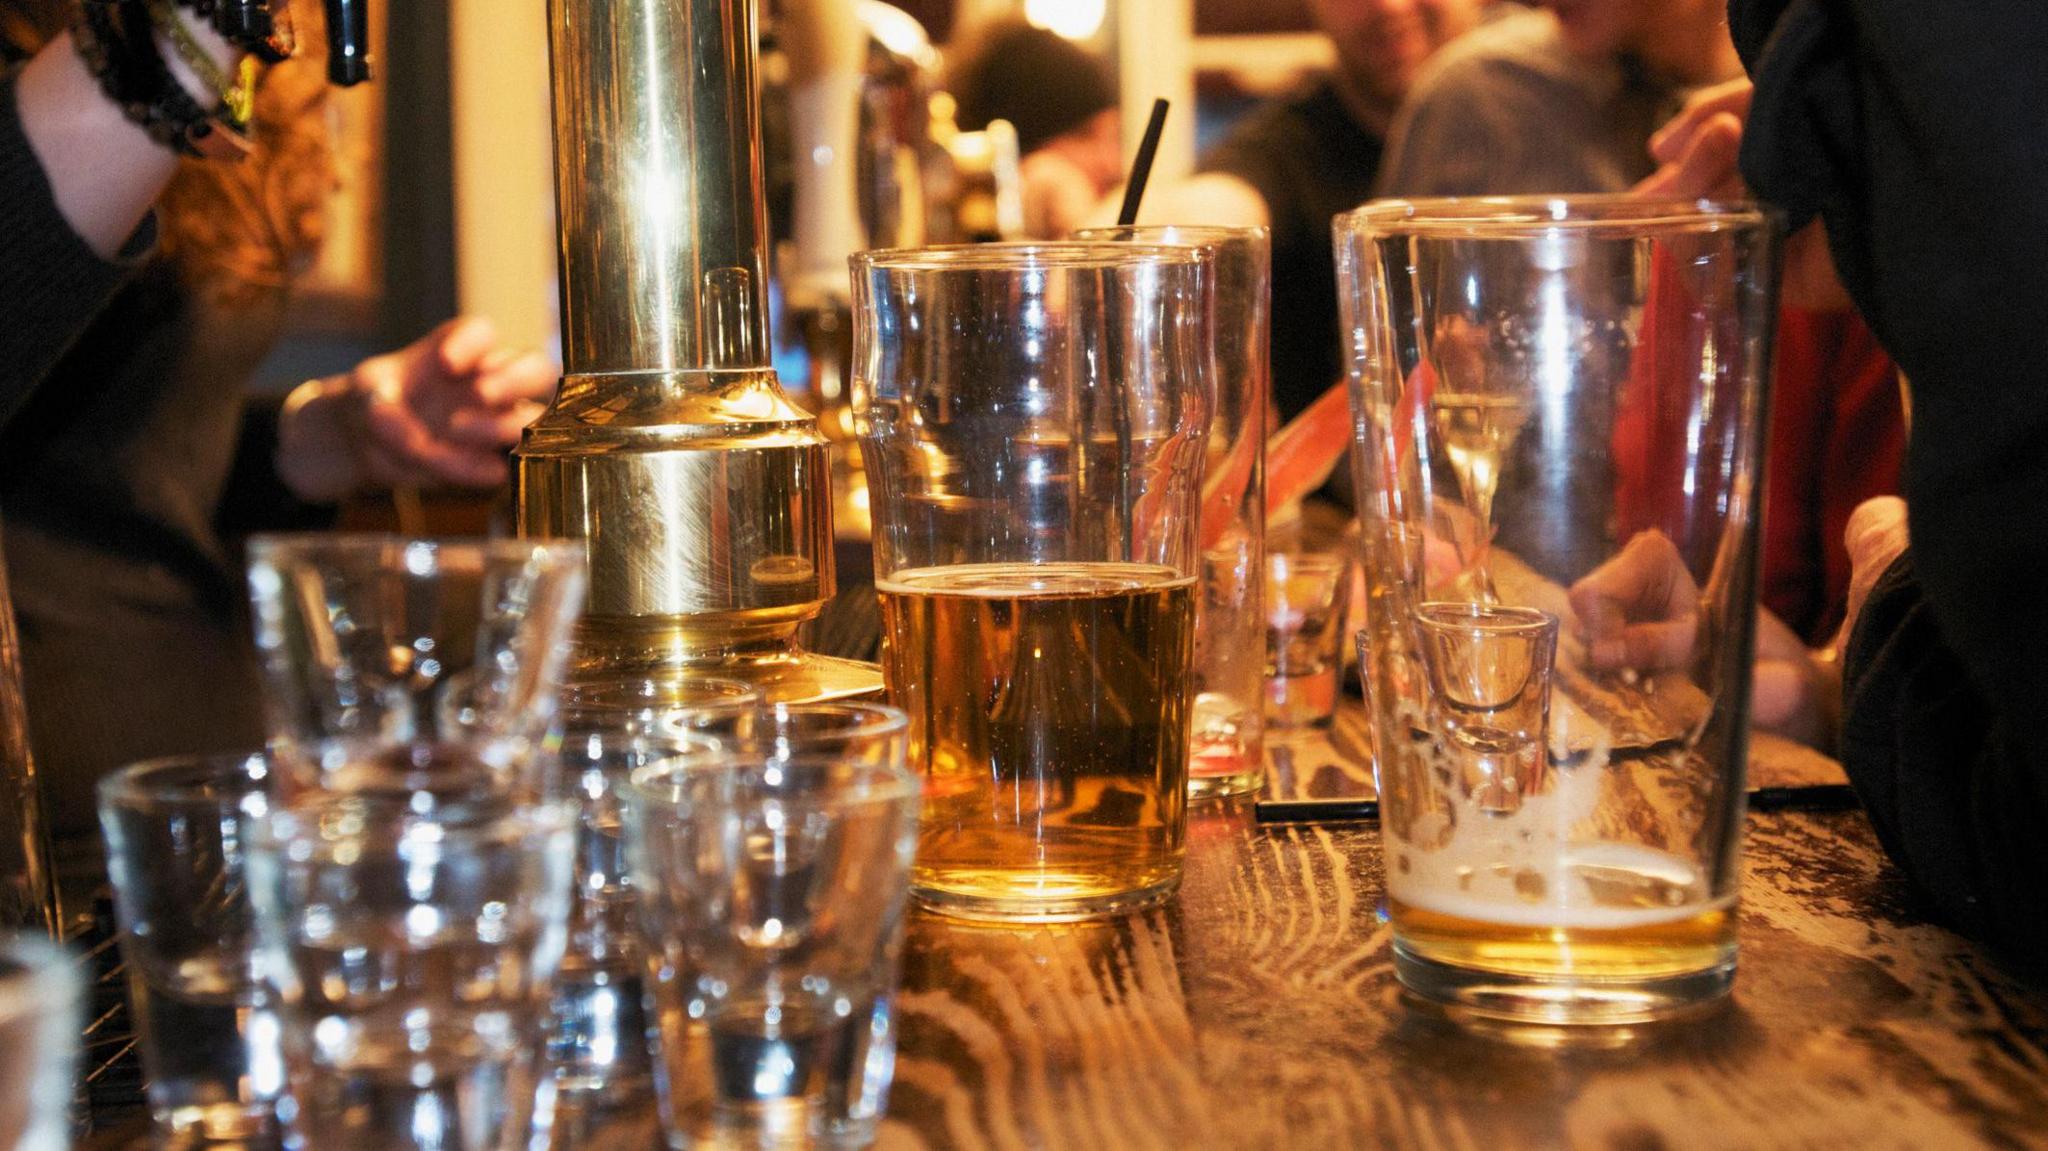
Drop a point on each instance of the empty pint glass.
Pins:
(1559, 465)
(1032, 419)
(1226, 742)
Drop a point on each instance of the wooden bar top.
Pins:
(1259, 1009)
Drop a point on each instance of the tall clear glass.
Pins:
(1033, 421)
(1226, 752)
(177, 854)
(411, 955)
(402, 665)
(1560, 414)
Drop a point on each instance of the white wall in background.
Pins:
(504, 167)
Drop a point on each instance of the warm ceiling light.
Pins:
(1073, 19)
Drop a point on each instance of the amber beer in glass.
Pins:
(1032, 418)
(1226, 743)
(1559, 466)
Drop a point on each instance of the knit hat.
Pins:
(1043, 84)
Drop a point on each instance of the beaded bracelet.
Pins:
(238, 95)
(114, 39)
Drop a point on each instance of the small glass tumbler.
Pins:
(772, 881)
(411, 955)
(177, 854)
(411, 665)
(597, 1048)
(1226, 748)
(1558, 469)
(1489, 685)
(866, 733)
(1034, 419)
(42, 1003)
(1307, 593)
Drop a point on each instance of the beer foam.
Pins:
(1531, 868)
(1496, 901)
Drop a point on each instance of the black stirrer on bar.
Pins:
(1141, 165)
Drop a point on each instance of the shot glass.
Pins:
(1226, 746)
(1489, 692)
(1307, 593)
(410, 954)
(42, 1001)
(772, 879)
(597, 1045)
(1033, 419)
(866, 733)
(411, 665)
(1558, 468)
(177, 852)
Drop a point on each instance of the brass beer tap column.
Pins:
(670, 450)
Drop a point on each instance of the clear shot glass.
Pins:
(597, 1049)
(411, 665)
(177, 851)
(772, 877)
(1307, 593)
(411, 950)
(1489, 690)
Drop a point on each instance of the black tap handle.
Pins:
(348, 41)
(254, 26)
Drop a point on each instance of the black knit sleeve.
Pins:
(52, 284)
(1948, 782)
(256, 498)
(1922, 142)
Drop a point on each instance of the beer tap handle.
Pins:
(348, 41)
(255, 26)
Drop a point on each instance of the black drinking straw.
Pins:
(1141, 165)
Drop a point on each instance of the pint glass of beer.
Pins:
(1227, 750)
(1033, 421)
(1559, 409)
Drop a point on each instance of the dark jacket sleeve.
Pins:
(255, 497)
(1954, 797)
(52, 284)
(1919, 134)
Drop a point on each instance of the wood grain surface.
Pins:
(1259, 1009)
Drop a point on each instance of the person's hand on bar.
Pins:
(1640, 611)
(1697, 152)
(439, 411)
(1876, 537)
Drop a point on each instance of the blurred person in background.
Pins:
(1558, 99)
(1295, 162)
(1569, 99)
(141, 289)
(1060, 99)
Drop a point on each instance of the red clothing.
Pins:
(1837, 438)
